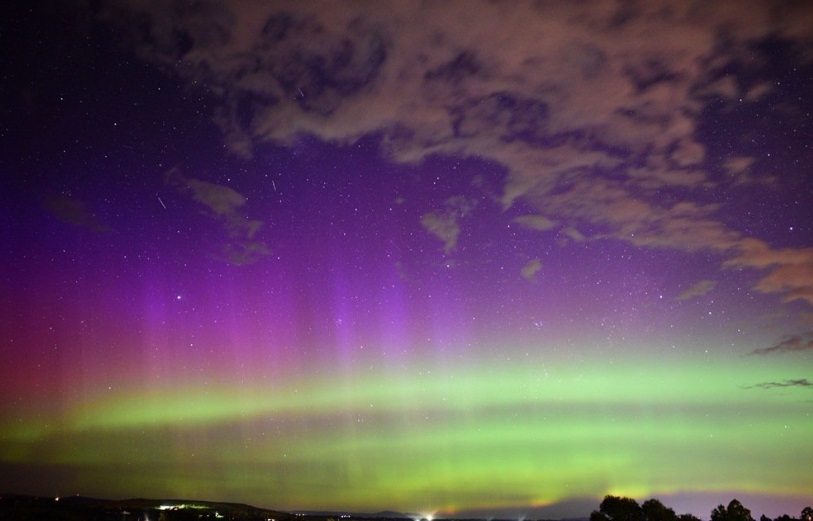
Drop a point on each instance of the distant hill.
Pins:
(17, 507)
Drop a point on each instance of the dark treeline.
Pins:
(614, 508)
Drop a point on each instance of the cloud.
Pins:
(72, 210)
(697, 290)
(536, 222)
(801, 382)
(220, 199)
(531, 268)
(574, 234)
(790, 270)
(225, 204)
(444, 224)
(556, 77)
(592, 107)
(444, 227)
(789, 344)
(610, 206)
(738, 169)
(758, 91)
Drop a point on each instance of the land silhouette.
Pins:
(19, 507)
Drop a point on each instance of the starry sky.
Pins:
(451, 258)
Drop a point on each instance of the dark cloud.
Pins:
(313, 65)
(801, 382)
(72, 210)
(504, 115)
(460, 67)
(789, 344)
(593, 107)
(226, 205)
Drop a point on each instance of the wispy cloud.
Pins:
(225, 204)
(789, 344)
(801, 382)
(697, 290)
(536, 222)
(531, 268)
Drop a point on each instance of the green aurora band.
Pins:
(432, 442)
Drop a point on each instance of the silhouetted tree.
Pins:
(614, 508)
(654, 510)
(763, 517)
(688, 517)
(807, 514)
(735, 512)
(595, 515)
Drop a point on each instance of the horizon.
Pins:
(425, 257)
(171, 503)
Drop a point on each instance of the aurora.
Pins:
(446, 259)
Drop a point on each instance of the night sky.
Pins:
(486, 258)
